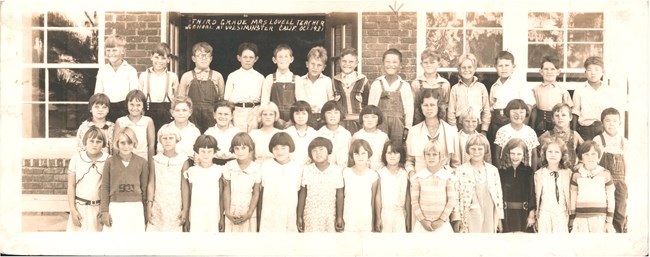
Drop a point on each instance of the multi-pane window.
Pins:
(570, 36)
(61, 59)
(455, 33)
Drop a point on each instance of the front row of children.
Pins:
(121, 193)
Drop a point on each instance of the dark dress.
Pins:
(518, 196)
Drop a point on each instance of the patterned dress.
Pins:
(320, 205)
(167, 202)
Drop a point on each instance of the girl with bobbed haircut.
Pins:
(282, 138)
(242, 139)
(320, 142)
(331, 105)
(479, 139)
(354, 148)
(516, 104)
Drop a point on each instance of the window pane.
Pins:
(485, 44)
(72, 19)
(545, 20)
(72, 84)
(65, 119)
(34, 120)
(72, 46)
(547, 36)
(34, 85)
(37, 19)
(586, 20)
(444, 19)
(578, 53)
(585, 36)
(484, 19)
(537, 51)
(448, 42)
(34, 39)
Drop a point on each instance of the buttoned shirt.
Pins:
(590, 102)
(405, 93)
(116, 84)
(244, 86)
(421, 82)
(268, 83)
(513, 88)
(315, 93)
(464, 96)
(548, 95)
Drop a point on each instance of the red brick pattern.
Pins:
(142, 33)
(45, 176)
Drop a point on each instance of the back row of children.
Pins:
(394, 118)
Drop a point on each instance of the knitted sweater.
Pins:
(124, 184)
(592, 193)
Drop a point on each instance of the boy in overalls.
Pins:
(280, 87)
(613, 145)
(204, 86)
(394, 97)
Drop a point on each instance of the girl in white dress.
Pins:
(164, 203)
(84, 180)
(362, 204)
(301, 133)
(395, 195)
(142, 125)
(320, 200)
(371, 117)
(241, 186)
(202, 187)
(281, 179)
(268, 118)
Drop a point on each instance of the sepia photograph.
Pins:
(324, 127)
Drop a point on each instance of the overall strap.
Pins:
(193, 74)
(421, 84)
(274, 78)
(382, 85)
(293, 79)
(602, 140)
(148, 88)
(401, 82)
(209, 75)
(167, 87)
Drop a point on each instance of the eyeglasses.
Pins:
(203, 56)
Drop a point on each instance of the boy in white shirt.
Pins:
(314, 87)
(116, 78)
(244, 87)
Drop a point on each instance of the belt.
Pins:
(246, 105)
(515, 205)
(87, 202)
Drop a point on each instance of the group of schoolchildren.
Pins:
(310, 153)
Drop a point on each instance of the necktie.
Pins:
(555, 174)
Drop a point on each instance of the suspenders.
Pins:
(149, 87)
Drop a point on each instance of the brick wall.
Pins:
(45, 176)
(384, 30)
(142, 32)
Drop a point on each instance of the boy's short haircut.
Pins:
(467, 56)
(114, 41)
(371, 109)
(551, 59)
(242, 138)
(182, 99)
(609, 111)
(136, 94)
(349, 50)
(468, 114)
(329, 106)
(586, 147)
(300, 106)
(201, 46)
(395, 148)
(168, 129)
(162, 49)
(319, 53)
(131, 138)
(392, 51)
(430, 54)
(318, 142)
(206, 141)
(558, 107)
(281, 47)
(354, 148)
(98, 99)
(564, 151)
(504, 55)
(516, 104)
(95, 132)
(282, 138)
(436, 147)
(595, 60)
(224, 103)
(247, 46)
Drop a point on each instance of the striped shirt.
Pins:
(433, 196)
(592, 193)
